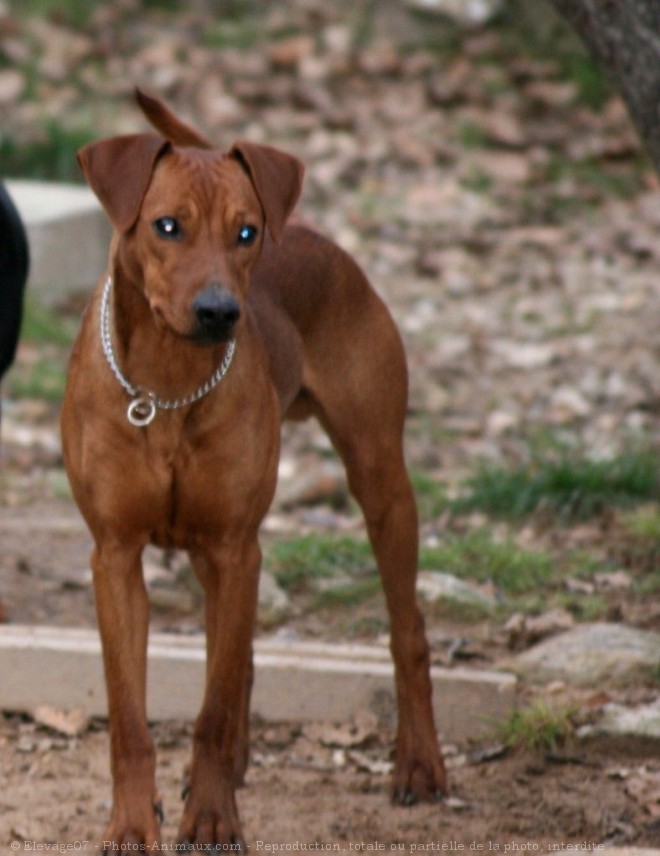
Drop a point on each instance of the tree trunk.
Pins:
(624, 38)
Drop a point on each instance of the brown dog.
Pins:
(216, 321)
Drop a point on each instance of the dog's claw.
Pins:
(404, 796)
(158, 811)
(407, 797)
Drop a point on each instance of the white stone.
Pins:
(434, 586)
(599, 654)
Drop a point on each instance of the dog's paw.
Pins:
(211, 830)
(134, 830)
(130, 841)
(235, 845)
(419, 781)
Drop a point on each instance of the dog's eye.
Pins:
(247, 235)
(167, 227)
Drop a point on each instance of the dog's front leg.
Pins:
(123, 612)
(231, 579)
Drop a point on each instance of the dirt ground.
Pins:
(297, 793)
(515, 231)
(303, 789)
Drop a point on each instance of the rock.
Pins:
(465, 12)
(12, 84)
(552, 93)
(338, 39)
(446, 204)
(644, 787)
(614, 581)
(32, 436)
(499, 422)
(568, 404)
(290, 52)
(375, 766)
(70, 723)
(436, 586)
(593, 654)
(325, 483)
(621, 721)
(502, 128)
(61, 49)
(171, 583)
(217, 106)
(522, 630)
(363, 728)
(504, 167)
(452, 84)
(169, 596)
(524, 355)
(274, 605)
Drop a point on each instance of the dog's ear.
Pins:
(119, 171)
(277, 179)
(169, 125)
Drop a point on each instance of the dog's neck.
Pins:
(140, 342)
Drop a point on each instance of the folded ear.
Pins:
(277, 179)
(169, 125)
(119, 171)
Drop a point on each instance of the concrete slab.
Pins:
(68, 234)
(293, 681)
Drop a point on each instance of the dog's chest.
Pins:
(200, 485)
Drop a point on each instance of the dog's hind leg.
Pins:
(379, 481)
(363, 411)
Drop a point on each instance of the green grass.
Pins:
(226, 32)
(297, 562)
(300, 563)
(44, 379)
(476, 556)
(43, 326)
(571, 487)
(52, 156)
(477, 181)
(592, 175)
(471, 136)
(640, 547)
(73, 13)
(539, 728)
(350, 594)
(593, 88)
(430, 494)
(537, 31)
(644, 524)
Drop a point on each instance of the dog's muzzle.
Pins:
(216, 313)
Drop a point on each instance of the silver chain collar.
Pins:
(145, 403)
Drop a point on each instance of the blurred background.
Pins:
(473, 159)
(486, 177)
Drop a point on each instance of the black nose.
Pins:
(216, 312)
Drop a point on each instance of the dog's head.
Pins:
(190, 219)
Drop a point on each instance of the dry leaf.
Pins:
(70, 723)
